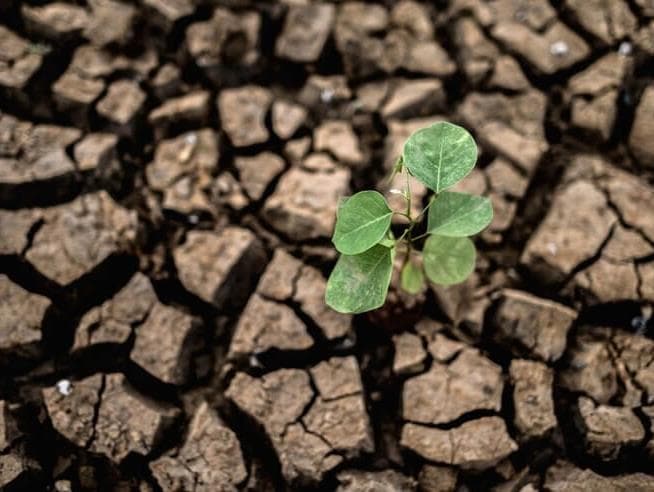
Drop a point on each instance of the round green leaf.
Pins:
(360, 283)
(448, 260)
(412, 278)
(361, 222)
(459, 214)
(440, 155)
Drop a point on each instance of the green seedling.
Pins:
(439, 156)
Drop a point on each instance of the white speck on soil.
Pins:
(625, 48)
(559, 48)
(327, 95)
(552, 248)
(64, 387)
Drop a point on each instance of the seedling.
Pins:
(439, 156)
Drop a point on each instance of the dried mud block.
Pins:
(165, 13)
(278, 281)
(209, 459)
(242, 114)
(73, 410)
(96, 151)
(508, 75)
(211, 264)
(76, 94)
(266, 325)
(477, 445)
(9, 431)
(16, 227)
(414, 17)
(113, 321)
(35, 164)
(590, 369)
(305, 32)
(183, 169)
(434, 478)
(75, 238)
(444, 349)
(555, 48)
(227, 192)
(226, 39)
(565, 477)
(287, 118)
(309, 442)
(258, 172)
(530, 325)
(339, 139)
(337, 377)
(640, 141)
(595, 93)
(429, 58)
(448, 391)
(18, 63)
(532, 398)
(477, 54)
(165, 344)
(385, 480)
(505, 179)
(21, 314)
(574, 229)
(511, 126)
(18, 472)
(55, 21)
(607, 429)
(409, 355)
(611, 22)
(122, 104)
(646, 274)
(126, 423)
(323, 91)
(191, 109)
(110, 22)
(414, 98)
(166, 81)
(304, 204)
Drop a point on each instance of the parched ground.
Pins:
(169, 173)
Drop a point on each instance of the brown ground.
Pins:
(169, 172)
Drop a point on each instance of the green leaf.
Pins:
(440, 155)
(361, 222)
(448, 260)
(459, 214)
(412, 278)
(360, 283)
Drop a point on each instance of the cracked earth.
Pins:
(169, 176)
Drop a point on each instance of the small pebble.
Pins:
(560, 48)
(64, 387)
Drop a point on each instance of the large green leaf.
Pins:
(448, 260)
(361, 222)
(412, 278)
(440, 155)
(459, 214)
(360, 283)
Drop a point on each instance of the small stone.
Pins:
(287, 118)
(305, 32)
(242, 114)
(21, 314)
(532, 398)
(338, 138)
(410, 355)
(608, 429)
(209, 459)
(258, 172)
(414, 98)
(446, 392)
(210, 263)
(377, 481)
(528, 324)
(76, 237)
(476, 445)
(640, 142)
(122, 103)
(304, 204)
(56, 21)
